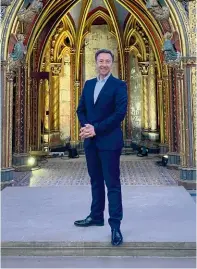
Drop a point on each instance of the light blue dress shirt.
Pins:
(99, 85)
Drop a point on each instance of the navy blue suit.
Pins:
(103, 150)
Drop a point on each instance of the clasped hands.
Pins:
(87, 131)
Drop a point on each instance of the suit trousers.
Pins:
(104, 167)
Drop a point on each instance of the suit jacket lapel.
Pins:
(103, 89)
(92, 90)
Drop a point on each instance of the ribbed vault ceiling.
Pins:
(120, 11)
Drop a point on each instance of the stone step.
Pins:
(158, 221)
(96, 262)
(150, 249)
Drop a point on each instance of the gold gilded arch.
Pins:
(134, 33)
(84, 12)
(95, 15)
(136, 52)
(45, 16)
(65, 50)
(67, 22)
(131, 7)
(137, 13)
(119, 37)
(51, 8)
(130, 24)
(58, 43)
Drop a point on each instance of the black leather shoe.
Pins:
(89, 222)
(116, 237)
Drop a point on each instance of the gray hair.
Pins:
(104, 51)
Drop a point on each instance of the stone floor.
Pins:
(64, 171)
(159, 216)
(158, 221)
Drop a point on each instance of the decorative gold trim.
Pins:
(67, 22)
(59, 42)
(84, 12)
(94, 16)
(134, 33)
(128, 5)
(129, 25)
(161, 109)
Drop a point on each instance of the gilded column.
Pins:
(181, 111)
(123, 124)
(144, 68)
(76, 129)
(161, 109)
(127, 79)
(81, 70)
(34, 136)
(40, 107)
(6, 127)
(177, 106)
(46, 105)
(54, 97)
(193, 35)
(7, 119)
(9, 98)
(171, 131)
(176, 126)
(188, 167)
(46, 91)
(166, 104)
(194, 112)
(152, 102)
(163, 95)
(20, 111)
(21, 118)
(72, 94)
(26, 109)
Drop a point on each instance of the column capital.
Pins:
(10, 76)
(127, 49)
(56, 68)
(144, 67)
(189, 61)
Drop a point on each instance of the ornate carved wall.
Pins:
(173, 88)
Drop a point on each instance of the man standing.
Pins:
(101, 110)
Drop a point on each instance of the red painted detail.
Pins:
(96, 9)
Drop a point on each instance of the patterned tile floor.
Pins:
(61, 172)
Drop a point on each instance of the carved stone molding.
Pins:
(189, 60)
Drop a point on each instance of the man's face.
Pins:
(104, 64)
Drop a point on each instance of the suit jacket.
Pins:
(106, 114)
